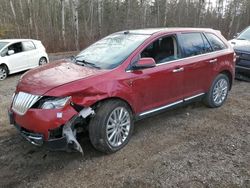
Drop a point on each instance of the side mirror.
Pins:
(236, 35)
(144, 63)
(10, 52)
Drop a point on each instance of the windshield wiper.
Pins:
(84, 62)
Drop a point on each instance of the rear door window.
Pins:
(28, 45)
(194, 44)
(215, 42)
(207, 46)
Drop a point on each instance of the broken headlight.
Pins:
(55, 103)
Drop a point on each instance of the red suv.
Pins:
(123, 77)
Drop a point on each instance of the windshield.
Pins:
(245, 35)
(112, 50)
(2, 44)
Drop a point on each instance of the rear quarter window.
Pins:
(216, 43)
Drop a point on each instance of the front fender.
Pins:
(97, 93)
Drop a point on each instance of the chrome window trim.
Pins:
(170, 105)
(186, 58)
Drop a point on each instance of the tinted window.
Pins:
(215, 42)
(28, 46)
(162, 50)
(207, 46)
(17, 47)
(193, 44)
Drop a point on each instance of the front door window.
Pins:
(162, 50)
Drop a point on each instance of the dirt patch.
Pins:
(193, 146)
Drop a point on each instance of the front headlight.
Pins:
(55, 103)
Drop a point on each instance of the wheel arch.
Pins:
(4, 64)
(230, 77)
(44, 57)
(96, 104)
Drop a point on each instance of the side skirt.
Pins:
(170, 106)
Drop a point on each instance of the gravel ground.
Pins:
(192, 146)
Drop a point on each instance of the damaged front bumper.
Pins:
(38, 139)
(67, 142)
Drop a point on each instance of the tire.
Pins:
(218, 92)
(3, 72)
(42, 61)
(103, 125)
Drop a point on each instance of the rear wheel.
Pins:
(111, 127)
(218, 91)
(43, 61)
(3, 72)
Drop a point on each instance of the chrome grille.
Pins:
(23, 101)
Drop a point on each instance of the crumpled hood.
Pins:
(40, 80)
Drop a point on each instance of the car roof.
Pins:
(16, 40)
(152, 31)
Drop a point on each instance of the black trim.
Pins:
(181, 104)
(139, 117)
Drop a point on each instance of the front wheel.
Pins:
(111, 127)
(42, 61)
(3, 72)
(218, 91)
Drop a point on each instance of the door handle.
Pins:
(178, 69)
(212, 61)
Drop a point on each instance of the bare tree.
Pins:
(63, 21)
(15, 18)
(75, 5)
(62, 24)
(99, 9)
(30, 18)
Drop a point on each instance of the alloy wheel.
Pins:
(3, 73)
(220, 91)
(118, 126)
(42, 61)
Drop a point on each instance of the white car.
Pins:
(20, 54)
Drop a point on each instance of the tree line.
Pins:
(65, 25)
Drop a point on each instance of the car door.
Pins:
(197, 63)
(31, 53)
(161, 86)
(16, 61)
